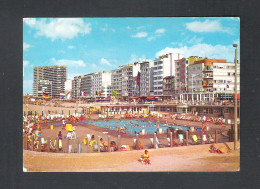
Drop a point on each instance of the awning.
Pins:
(143, 97)
(225, 96)
(134, 97)
(150, 98)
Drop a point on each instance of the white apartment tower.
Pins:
(146, 77)
(164, 66)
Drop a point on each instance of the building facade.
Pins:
(75, 91)
(169, 86)
(122, 81)
(212, 77)
(146, 78)
(163, 66)
(181, 74)
(56, 75)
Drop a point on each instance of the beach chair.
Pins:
(195, 140)
(204, 138)
(222, 130)
(181, 137)
(210, 138)
(151, 139)
(158, 142)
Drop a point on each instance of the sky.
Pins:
(87, 45)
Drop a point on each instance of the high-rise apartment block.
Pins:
(163, 66)
(146, 77)
(91, 84)
(181, 73)
(122, 81)
(46, 77)
(212, 75)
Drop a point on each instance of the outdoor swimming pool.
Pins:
(134, 126)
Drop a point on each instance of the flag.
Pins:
(62, 94)
(68, 95)
(98, 93)
(28, 96)
(205, 84)
(45, 95)
(114, 92)
(83, 94)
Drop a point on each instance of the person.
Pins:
(93, 141)
(103, 146)
(113, 146)
(203, 126)
(60, 140)
(138, 145)
(146, 158)
(213, 149)
(63, 124)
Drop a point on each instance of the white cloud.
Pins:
(69, 63)
(105, 62)
(128, 27)
(174, 43)
(113, 30)
(195, 40)
(151, 38)
(103, 29)
(25, 63)
(71, 47)
(162, 30)
(26, 46)
(206, 26)
(140, 35)
(202, 50)
(60, 28)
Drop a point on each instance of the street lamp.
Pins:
(235, 111)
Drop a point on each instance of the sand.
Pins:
(176, 159)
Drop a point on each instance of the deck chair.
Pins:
(151, 139)
(210, 138)
(195, 139)
(204, 138)
(158, 142)
(181, 137)
(222, 130)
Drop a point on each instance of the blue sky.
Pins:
(89, 45)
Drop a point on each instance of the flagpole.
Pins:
(43, 106)
(60, 104)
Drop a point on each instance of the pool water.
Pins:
(134, 126)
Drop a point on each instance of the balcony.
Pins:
(207, 76)
(208, 68)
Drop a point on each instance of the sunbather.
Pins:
(213, 149)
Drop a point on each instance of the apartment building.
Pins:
(181, 73)
(122, 81)
(86, 85)
(49, 75)
(163, 66)
(212, 76)
(68, 86)
(76, 83)
(101, 81)
(169, 86)
(146, 77)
